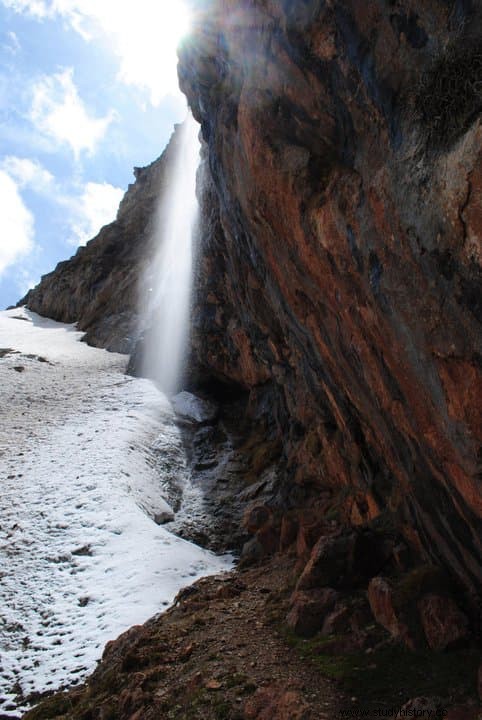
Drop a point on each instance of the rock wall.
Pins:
(98, 287)
(337, 301)
(339, 273)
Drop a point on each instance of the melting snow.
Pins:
(81, 558)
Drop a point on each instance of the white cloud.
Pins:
(95, 207)
(37, 8)
(86, 208)
(58, 111)
(12, 45)
(143, 34)
(28, 173)
(16, 224)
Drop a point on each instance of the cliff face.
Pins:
(98, 287)
(338, 284)
(339, 272)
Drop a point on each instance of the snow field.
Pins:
(81, 558)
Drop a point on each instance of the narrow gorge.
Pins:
(335, 328)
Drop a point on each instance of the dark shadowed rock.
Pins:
(385, 611)
(345, 561)
(443, 623)
(309, 610)
(257, 517)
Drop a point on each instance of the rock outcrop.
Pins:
(99, 286)
(339, 277)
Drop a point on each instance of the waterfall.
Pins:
(168, 278)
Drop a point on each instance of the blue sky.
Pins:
(88, 90)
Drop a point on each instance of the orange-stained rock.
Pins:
(380, 597)
(382, 604)
(339, 281)
(342, 227)
(443, 623)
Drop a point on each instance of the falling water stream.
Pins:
(168, 279)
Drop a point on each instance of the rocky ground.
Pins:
(225, 652)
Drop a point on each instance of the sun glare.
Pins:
(144, 35)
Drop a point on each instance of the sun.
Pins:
(179, 20)
(147, 43)
(143, 34)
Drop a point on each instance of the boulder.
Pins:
(309, 532)
(382, 604)
(345, 561)
(309, 610)
(443, 623)
(380, 597)
(163, 517)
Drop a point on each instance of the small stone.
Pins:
(85, 550)
(186, 652)
(213, 685)
(163, 517)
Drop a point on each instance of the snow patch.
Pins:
(81, 556)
